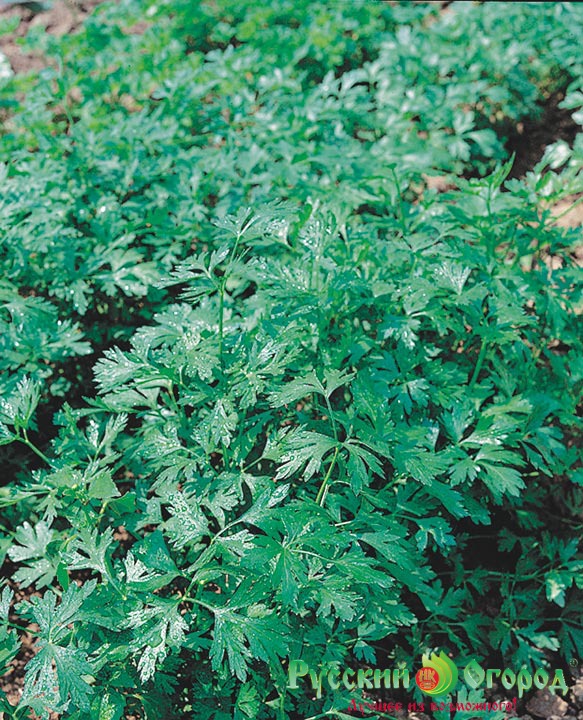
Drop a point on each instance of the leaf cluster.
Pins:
(329, 412)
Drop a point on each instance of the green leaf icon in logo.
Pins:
(438, 675)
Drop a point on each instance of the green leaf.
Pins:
(109, 706)
(102, 487)
(500, 479)
(243, 637)
(248, 702)
(55, 675)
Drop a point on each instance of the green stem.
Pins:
(479, 363)
(320, 497)
(334, 430)
(313, 554)
(221, 313)
(568, 210)
(172, 399)
(281, 708)
(22, 628)
(24, 439)
(226, 458)
(210, 608)
(251, 465)
(222, 288)
(401, 210)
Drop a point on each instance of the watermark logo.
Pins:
(438, 675)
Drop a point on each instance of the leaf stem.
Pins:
(479, 363)
(24, 439)
(206, 606)
(400, 208)
(567, 210)
(222, 288)
(22, 628)
(334, 429)
(281, 706)
(320, 497)
(221, 313)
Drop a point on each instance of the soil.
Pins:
(529, 138)
(12, 682)
(569, 212)
(61, 18)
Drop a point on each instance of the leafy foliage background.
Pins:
(265, 393)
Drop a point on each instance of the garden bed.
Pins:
(291, 353)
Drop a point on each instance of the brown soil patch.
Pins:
(530, 137)
(63, 17)
(569, 212)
